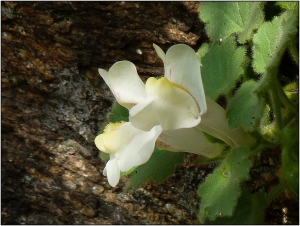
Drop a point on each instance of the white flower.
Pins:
(174, 101)
(128, 147)
(172, 109)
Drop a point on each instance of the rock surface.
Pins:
(54, 103)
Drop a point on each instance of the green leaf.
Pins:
(160, 166)
(250, 210)
(128, 172)
(215, 160)
(290, 157)
(292, 91)
(104, 156)
(272, 39)
(222, 66)
(225, 18)
(118, 113)
(288, 5)
(245, 108)
(220, 191)
(204, 48)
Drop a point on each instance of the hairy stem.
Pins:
(275, 97)
(284, 99)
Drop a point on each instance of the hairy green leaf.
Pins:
(160, 166)
(225, 18)
(250, 210)
(221, 67)
(272, 39)
(104, 156)
(220, 191)
(118, 113)
(288, 5)
(245, 108)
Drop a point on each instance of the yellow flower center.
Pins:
(165, 84)
(109, 140)
(172, 97)
(163, 81)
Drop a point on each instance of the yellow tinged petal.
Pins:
(173, 105)
(99, 143)
(151, 81)
(109, 140)
(112, 126)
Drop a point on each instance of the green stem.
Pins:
(263, 84)
(272, 71)
(288, 118)
(276, 106)
(284, 99)
(270, 82)
(260, 146)
(274, 193)
(293, 50)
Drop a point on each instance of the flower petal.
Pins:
(143, 116)
(139, 148)
(106, 141)
(215, 123)
(160, 52)
(123, 80)
(112, 171)
(104, 74)
(190, 140)
(99, 143)
(174, 107)
(127, 145)
(182, 66)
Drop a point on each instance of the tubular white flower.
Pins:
(174, 101)
(128, 147)
(191, 140)
(215, 123)
(172, 111)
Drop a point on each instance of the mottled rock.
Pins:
(54, 103)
